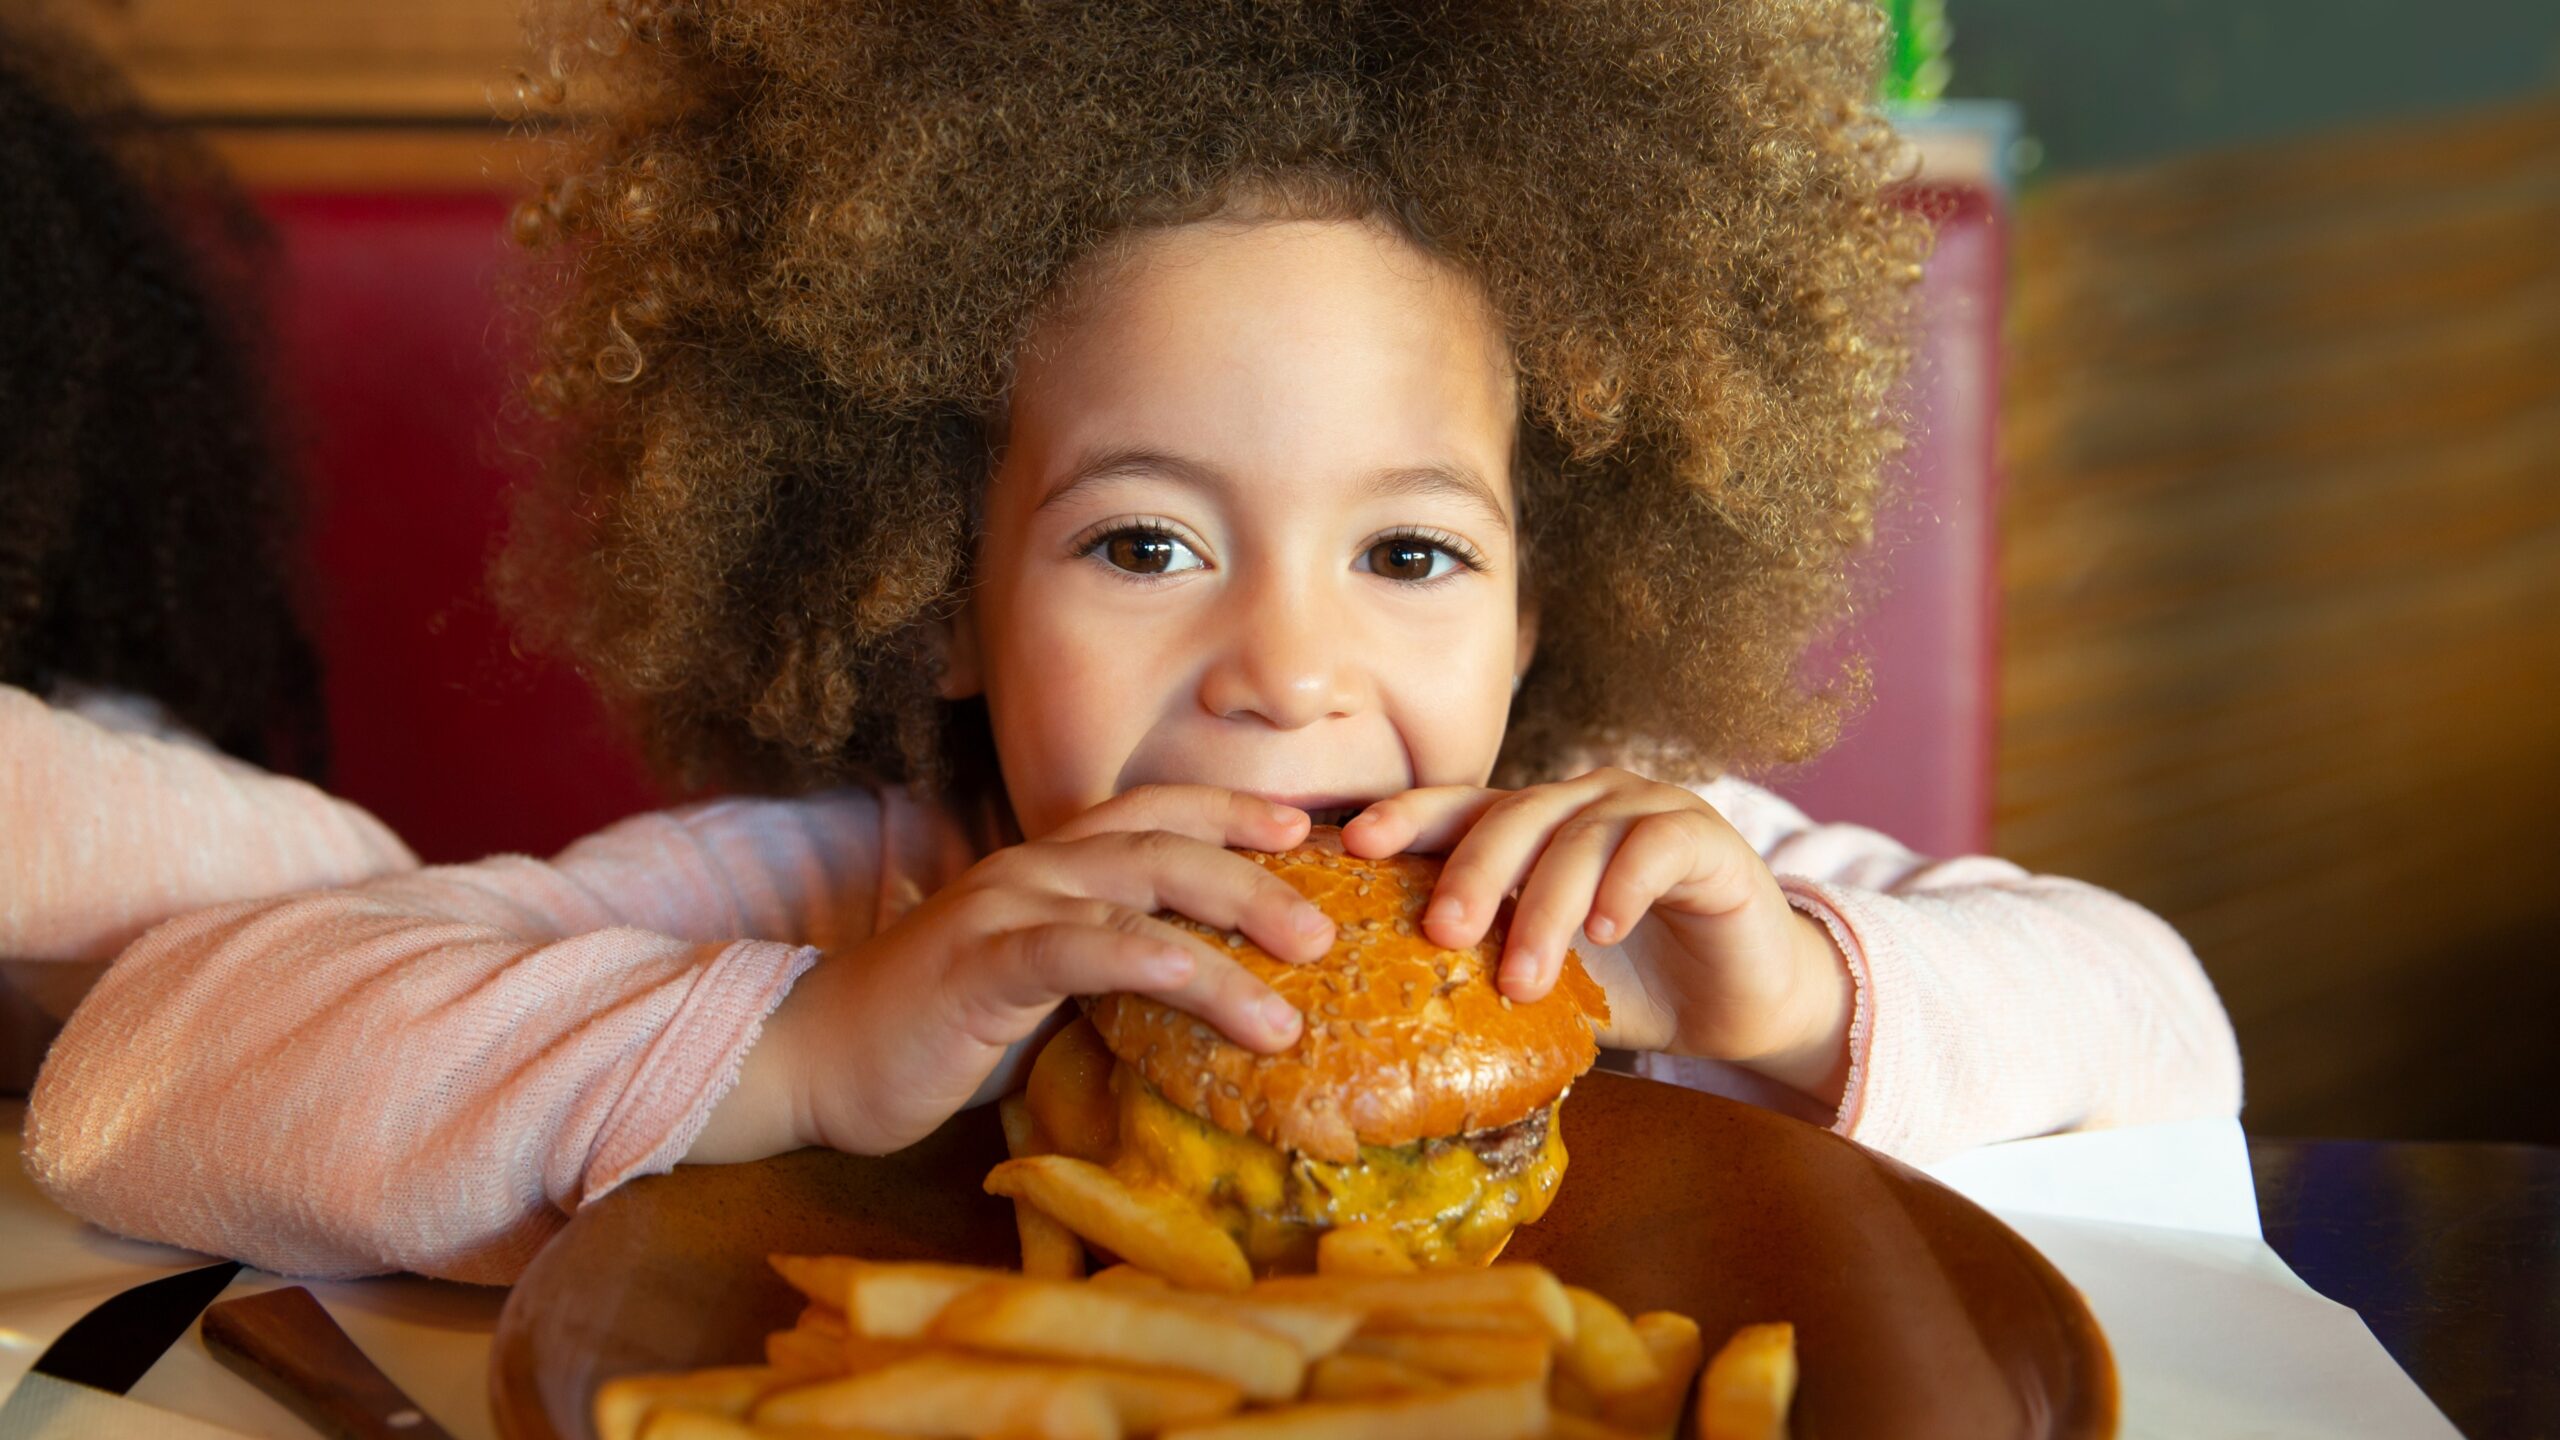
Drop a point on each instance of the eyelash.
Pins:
(1091, 542)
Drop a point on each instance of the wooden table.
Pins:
(2450, 1252)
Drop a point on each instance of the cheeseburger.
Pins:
(1418, 1099)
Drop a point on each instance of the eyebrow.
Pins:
(1447, 478)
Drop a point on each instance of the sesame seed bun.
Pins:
(1404, 1041)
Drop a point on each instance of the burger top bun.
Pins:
(1404, 1041)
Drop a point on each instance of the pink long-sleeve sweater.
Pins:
(430, 1071)
(114, 818)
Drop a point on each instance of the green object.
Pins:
(1916, 66)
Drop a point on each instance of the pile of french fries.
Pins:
(1179, 1340)
(1502, 1353)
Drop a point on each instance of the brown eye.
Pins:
(1408, 558)
(1146, 552)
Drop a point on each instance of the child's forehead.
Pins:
(1271, 347)
(1451, 482)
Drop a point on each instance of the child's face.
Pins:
(1253, 527)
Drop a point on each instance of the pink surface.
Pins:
(1917, 763)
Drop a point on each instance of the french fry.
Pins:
(1674, 1340)
(1069, 1094)
(1149, 1401)
(1605, 1354)
(825, 1279)
(1749, 1386)
(1677, 1349)
(1480, 1412)
(1481, 1319)
(1049, 1250)
(1366, 1377)
(953, 1395)
(1146, 1400)
(1430, 1293)
(862, 1352)
(1065, 1321)
(1129, 1276)
(896, 1301)
(1154, 1231)
(1459, 1356)
(1362, 1250)
(1022, 1135)
(624, 1402)
(1317, 1330)
(814, 1349)
(1565, 1425)
(688, 1425)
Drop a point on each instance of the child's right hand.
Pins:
(874, 1048)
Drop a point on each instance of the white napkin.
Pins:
(2213, 1336)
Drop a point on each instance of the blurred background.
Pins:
(2227, 573)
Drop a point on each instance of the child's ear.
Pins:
(952, 644)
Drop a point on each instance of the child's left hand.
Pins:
(1713, 961)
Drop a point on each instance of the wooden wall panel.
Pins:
(2282, 638)
(451, 60)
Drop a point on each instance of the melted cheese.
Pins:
(1440, 1200)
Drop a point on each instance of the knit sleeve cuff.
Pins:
(694, 1063)
(1821, 901)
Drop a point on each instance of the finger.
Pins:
(1154, 870)
(1666, 850)
(1556, 899)
(1428, 820)
(1037, 966)
(1203, 812)
(1493, 859)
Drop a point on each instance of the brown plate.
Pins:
(1917, 1314)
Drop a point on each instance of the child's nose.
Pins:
(1282, 658)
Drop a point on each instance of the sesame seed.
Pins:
(1506, 1002)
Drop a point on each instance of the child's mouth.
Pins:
(1334, 814)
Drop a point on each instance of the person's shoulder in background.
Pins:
(115, 817)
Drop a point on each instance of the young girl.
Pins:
(1048, 445)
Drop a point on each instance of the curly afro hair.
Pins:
(799, 243)
(147, 519)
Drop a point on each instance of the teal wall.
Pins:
(2117, 82)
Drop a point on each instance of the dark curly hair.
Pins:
(145, 516)
(800, 242)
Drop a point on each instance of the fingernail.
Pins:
(1284, 814)
(1280, 1015)
(1447, 910)
(1602, 929)
(1306, 919)
(1170, 967)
